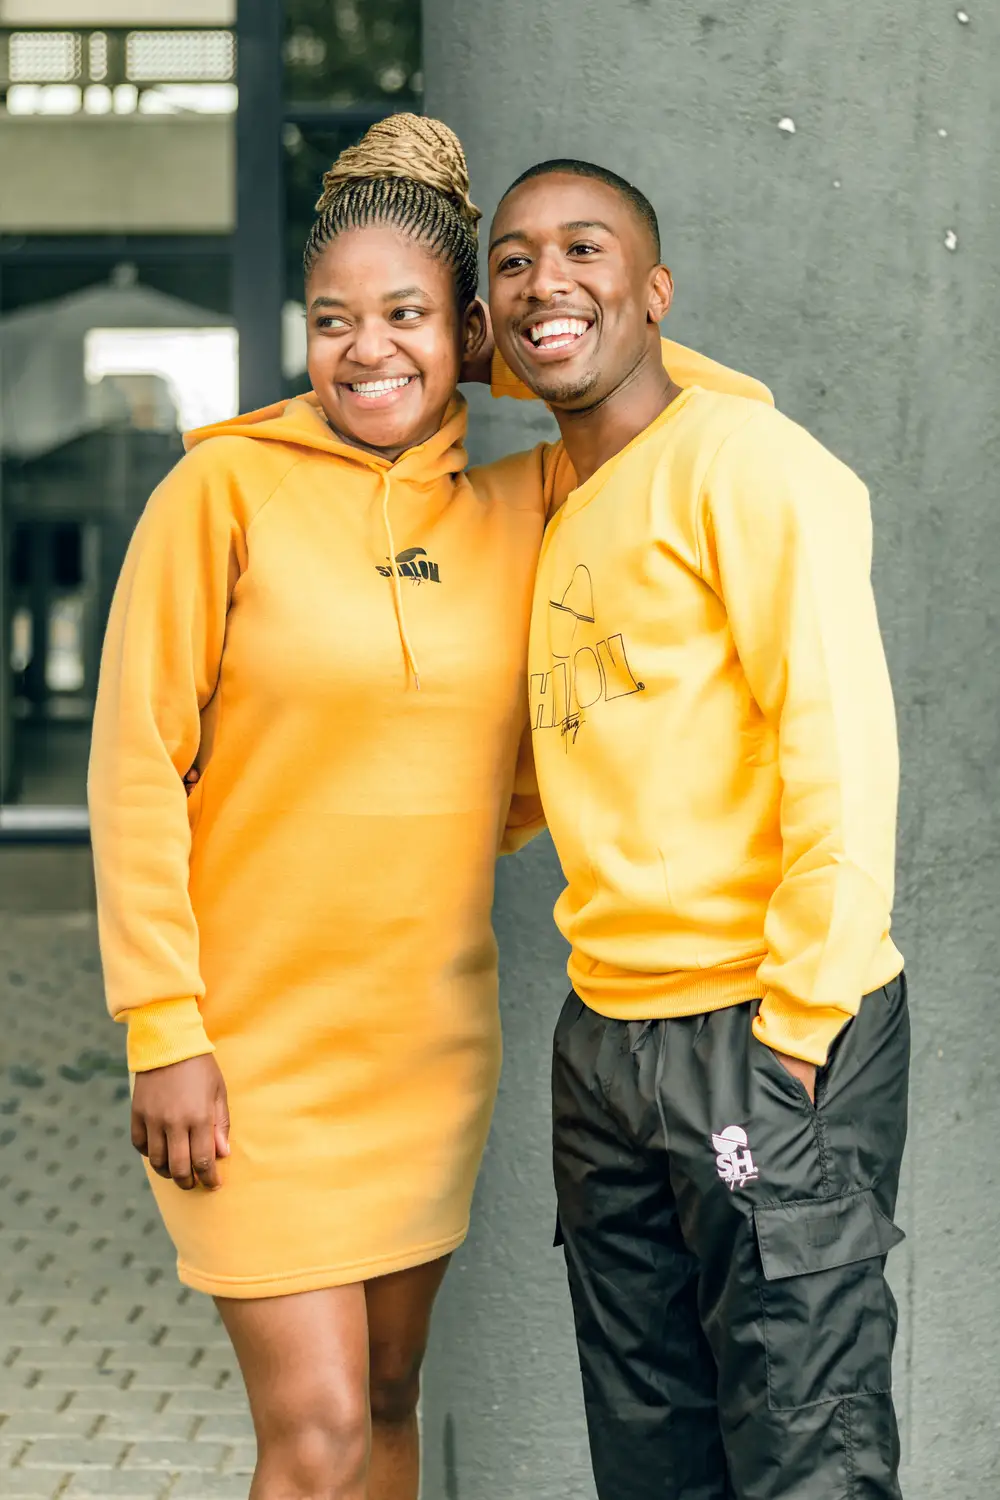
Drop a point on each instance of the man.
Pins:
(715, 745)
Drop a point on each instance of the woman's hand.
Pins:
(180, 1121)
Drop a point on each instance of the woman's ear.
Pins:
(477, 331)
(661, 294)
(477, 345)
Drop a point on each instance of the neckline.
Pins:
(578, 498)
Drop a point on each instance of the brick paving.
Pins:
(114, 1380)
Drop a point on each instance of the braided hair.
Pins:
(409, 172)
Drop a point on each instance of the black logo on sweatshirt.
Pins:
(585, 670)
(412, 563)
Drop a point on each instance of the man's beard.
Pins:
(566, 393)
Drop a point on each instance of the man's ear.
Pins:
(476, 333)
(661, 294)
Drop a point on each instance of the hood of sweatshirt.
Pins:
(300, 423)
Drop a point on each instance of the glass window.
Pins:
(115, 340)
(98, 378)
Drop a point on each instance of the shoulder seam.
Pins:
(300, 459)
(750, 417)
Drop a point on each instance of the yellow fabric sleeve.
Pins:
(525, 818)
(786, 540)
(159, 670)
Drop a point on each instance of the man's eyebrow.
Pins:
(578, 224)
(325, 302)
(573, 227)
(505, 239)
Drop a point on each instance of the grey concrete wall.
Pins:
(853, 265)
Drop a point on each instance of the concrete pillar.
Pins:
(830, 199)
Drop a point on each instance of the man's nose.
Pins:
(550, 276)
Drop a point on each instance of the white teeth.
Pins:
(554, 327)
(379, 387)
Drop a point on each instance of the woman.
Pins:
(327, 619)
(321, 613)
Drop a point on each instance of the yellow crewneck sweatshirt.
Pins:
(713, 727)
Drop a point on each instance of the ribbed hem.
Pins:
(286, 1284)
(623, 996)
(503, 381)
(168, 1031)
(783, 1024)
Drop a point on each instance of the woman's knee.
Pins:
(316, 1440)
(395, 1384)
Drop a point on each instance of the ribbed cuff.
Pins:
(503, 381)
(168, 1031)
(803, 1031)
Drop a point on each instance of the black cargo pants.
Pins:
(725, 1241)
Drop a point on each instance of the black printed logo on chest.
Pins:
(590, 666)
(412, 563)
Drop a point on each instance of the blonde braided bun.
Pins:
(408, 173)
(410, 147)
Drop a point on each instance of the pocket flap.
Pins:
(798, 1238)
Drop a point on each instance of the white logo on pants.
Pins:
(734, 1161)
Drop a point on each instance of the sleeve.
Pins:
(537, 479)
(558, 478)
(525, 817)
(159, 670)
(786, 536)
(503, 381)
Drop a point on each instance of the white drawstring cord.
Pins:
(397, 592)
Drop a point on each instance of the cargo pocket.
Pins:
(828, 1318)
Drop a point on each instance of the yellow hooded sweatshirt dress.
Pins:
(318, 911)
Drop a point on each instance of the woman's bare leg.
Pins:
(304, 1360)
(399, 1314)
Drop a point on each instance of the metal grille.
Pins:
(184, 56)
(45, 56)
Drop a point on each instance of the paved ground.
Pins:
(114, 1382)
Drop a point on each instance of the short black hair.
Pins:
(636, 199)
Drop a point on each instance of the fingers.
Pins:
(203, 1153)
(179, 1153)
(222, 1123)
(157, 1150)
(185, 1156)
(140, 1139)
(180, 1121)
